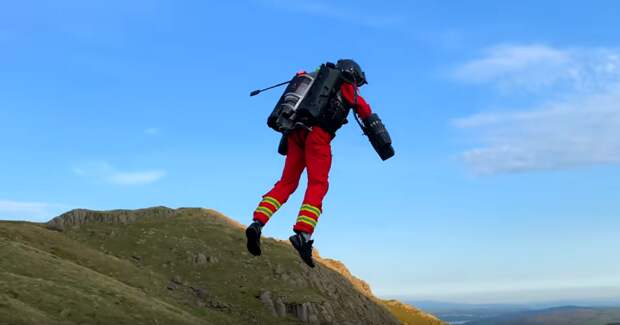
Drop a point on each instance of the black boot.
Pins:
(304, 248)
(252, 233)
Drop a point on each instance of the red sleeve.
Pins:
(348, 94)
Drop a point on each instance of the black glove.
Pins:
(378, 136)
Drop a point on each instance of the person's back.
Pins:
(308, 146)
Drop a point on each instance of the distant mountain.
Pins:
(566, 315)
(167, 266)
(442, 305)
(461, 313)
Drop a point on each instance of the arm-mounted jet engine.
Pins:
(378, 136)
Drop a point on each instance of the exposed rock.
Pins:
(313, 320)
(200, 259)
(77, 217)
(280, 307)
(200, 293)
(300, 311)
(342, 269)
(307, 312)
(218, 304)
(265, 298)
(176, 280)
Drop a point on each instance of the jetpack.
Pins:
(306, 102)
(305, 99)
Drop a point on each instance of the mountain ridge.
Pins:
(190, 272)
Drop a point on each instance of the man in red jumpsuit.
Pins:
(308, 148)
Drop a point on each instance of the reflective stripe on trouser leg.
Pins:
(266, 208)
(308, 218)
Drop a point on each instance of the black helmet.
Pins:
(351, 71)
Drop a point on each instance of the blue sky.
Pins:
(505, 120)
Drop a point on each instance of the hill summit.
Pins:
(173, 266)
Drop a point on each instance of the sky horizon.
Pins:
(585, 296)
(505, 120)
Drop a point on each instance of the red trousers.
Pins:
(306, 149)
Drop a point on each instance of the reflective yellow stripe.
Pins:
(317, 210)
(309, 208)
(263, 213)
(264, 210)
(307, 220)
(273, 201)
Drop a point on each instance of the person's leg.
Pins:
(282, 190)
(318, 158)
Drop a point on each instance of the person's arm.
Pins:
(348, 94)
(373, 127)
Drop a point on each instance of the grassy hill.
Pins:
(165, 266)
(409, 315)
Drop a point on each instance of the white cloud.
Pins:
(580, 128)
(105, 172)
(33, 211)
(537, 67)
(136, 178)
(572, 133)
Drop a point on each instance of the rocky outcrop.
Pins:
(344, 303)
(77, 217)
(314, 313)
(339, 267)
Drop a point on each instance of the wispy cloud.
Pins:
(103, 171)
(578, 132)
(328, 9)
(136, 178)
(33, 211)
(538, 67)
(579, 128)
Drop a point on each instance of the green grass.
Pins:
(48, 277)
(105, 272)
(408, 315)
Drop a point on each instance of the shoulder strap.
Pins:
(357, 119)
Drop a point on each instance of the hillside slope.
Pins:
(409, 315)
(165, 266)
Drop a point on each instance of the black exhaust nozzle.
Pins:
(258, 91)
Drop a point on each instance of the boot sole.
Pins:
(253, 243)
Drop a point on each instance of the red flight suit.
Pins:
(309, 149)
